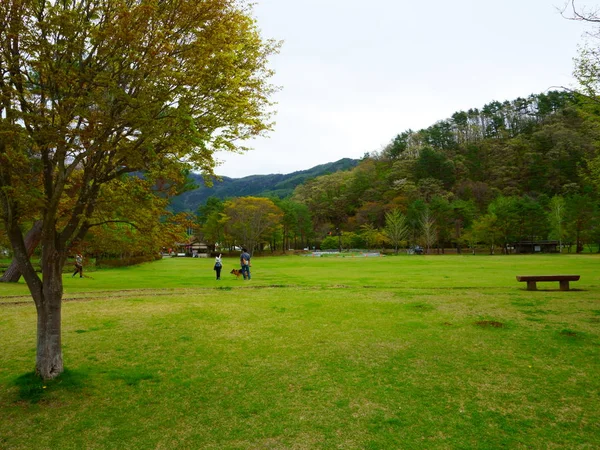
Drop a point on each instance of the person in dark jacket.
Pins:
(245, 263)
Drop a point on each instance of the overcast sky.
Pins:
(356, 73)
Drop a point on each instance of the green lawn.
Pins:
(354, 353)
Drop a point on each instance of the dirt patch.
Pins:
(489, 324)
(569, 333)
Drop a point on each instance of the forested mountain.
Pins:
(275, 185)
(486, 175)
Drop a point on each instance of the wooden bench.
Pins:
(533, 279)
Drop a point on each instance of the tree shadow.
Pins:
(32, 388)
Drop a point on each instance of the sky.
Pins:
(354, 73)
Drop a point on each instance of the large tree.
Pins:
(249, 220)
(581, 212)
(327, 198)
(296, 223)
(91, 90)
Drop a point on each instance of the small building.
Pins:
(536, 247)
(193, 247)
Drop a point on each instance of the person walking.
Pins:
(245, 263)
(78, 266)
(218, 266)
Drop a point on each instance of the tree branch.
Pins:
(114, 221)
(583, 16)
(589, 97)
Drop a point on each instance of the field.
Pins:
(406, 352)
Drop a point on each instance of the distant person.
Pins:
(245, 263)
(78, 266)
(218, 266)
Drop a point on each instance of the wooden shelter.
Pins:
(536, 247)
(193, 247)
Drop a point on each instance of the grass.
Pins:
(356, 353)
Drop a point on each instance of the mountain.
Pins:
(275, 185)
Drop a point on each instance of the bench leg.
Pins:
(531, 286)
(564, 285)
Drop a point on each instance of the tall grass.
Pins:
(394, 352)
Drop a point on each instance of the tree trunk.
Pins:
(13, 274)
(46, 294)
(48, 300)
(49, 361)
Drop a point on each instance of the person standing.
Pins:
(245, 263)
(78, 265)
(218, 266)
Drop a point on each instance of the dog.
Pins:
(236, 272)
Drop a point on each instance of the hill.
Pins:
(274, 185)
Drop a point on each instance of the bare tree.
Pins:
(429, 229)
(396, 228)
